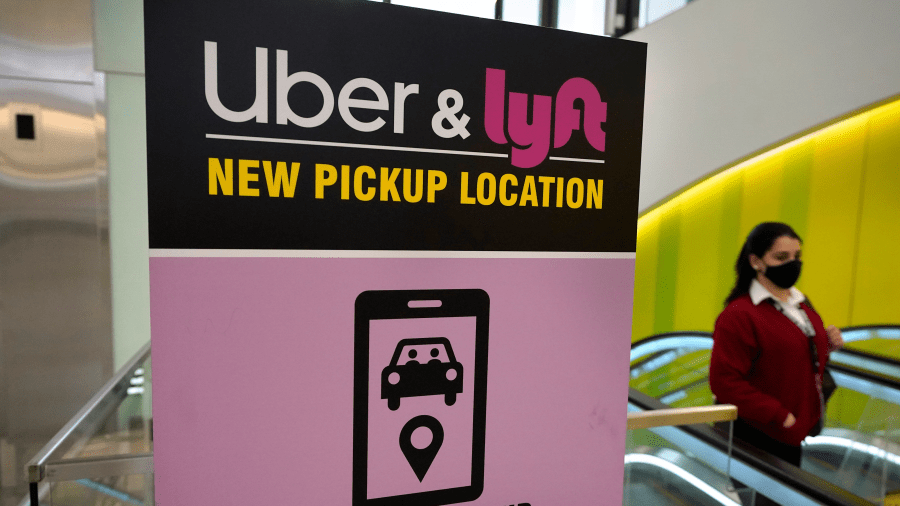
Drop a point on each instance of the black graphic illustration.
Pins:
(423, 354)
(420, 459)
(415, 379)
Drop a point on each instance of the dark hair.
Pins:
(760, 239)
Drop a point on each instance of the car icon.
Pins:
(421, 367)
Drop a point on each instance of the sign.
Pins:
(392, 255)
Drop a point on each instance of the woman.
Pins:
(770, 346)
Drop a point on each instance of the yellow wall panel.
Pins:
(645, 278)
(668, 252)
(830, 240)
(798, 166)
(762, 193)
(731, 239)
(876, 296)
(698, 263)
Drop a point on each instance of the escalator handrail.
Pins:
(665, 335)
(95, 411)
(869, 375)
(806, 483)
(705, 333)
(883, 359)
(876, 326)
(871, 356)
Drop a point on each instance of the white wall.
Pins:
(726, 78)
(119, 52)
(128, 224)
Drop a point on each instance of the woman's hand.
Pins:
(789, 421)
(835, 339)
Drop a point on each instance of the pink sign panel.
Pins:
(255, 363)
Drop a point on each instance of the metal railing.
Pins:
(682, 416)
(58, 460)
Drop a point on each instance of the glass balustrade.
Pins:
(658, 470)
(103, 455)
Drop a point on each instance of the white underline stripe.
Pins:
(275, 253)
(346, 145)
(585, 160)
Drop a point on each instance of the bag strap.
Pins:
(804, 324)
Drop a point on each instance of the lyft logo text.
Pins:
(535, 136)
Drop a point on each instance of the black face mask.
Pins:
(784, 275)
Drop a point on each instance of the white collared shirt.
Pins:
(791, 308)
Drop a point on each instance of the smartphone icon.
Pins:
(420, 388)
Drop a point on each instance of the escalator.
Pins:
(857, 452)
(690, 465)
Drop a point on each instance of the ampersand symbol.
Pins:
(447, 112)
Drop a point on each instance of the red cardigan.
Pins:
(761, 363)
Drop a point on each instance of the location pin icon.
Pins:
(420, 459)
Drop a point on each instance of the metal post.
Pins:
(549, 10)
(33, 493)
(730, 446)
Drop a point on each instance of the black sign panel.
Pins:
(378, 127)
